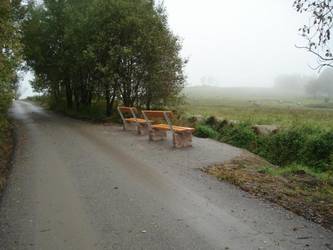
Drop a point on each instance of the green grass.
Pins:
(305, 136)
(264, 111)
(296, 169)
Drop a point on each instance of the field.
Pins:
(259, 107)
(305, 126)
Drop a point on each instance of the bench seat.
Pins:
(135, 120)
(140, 124)
(176, 129)
(181, 136)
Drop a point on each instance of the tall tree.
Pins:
(114, 50)
(10, 16)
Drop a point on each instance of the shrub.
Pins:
(310, 146)
(319, 150)
(212, 122)
(205, 131)
(239, 135)
(222, 125)
(285, 147)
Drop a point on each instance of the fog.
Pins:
(237, 43)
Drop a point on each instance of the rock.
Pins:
(265, 129)
(232, 122)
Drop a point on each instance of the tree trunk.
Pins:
(69, 96)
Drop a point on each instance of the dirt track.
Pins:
(76, 185)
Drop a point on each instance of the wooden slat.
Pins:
(157, 113)
(128, 110)
(175, 128)
(134, 120)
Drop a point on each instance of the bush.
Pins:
(319, 150)
(205, 131)
(310, 146)
(212, 122)
(239, 135)
(285, 147)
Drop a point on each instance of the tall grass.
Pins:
(287, 113)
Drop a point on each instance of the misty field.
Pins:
(283, 112)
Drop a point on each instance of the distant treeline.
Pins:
(102, 50)
(322, 86)
(317, 87)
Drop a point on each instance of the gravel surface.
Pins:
(77, 185)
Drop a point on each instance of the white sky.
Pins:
(238, 42)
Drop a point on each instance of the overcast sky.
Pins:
(238, 42)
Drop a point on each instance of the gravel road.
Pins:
(77, 185)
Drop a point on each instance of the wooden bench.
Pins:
(140, 124)
(182, 136)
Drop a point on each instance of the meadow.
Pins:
(305, 125)
(264, 111)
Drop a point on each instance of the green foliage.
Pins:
(284, 147)
(298, 169)
(319, 150)
(205, 131)
(239, 135)
(212, 122)
(9, 51)
(85, 51)
(309, 146)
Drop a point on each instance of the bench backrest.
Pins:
(128, 110)
(158, 114)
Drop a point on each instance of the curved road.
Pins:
(77, 185)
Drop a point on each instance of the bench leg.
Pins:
(124, 126)
(130, 126)
(157, 135)
(143, 129)
(182, 140)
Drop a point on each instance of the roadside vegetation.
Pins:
(298, 173)
(298, 188)
(11, 14)
(303, 135)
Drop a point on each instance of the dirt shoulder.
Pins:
(305, 194)
(6, 153)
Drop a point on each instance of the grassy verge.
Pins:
(297, 188)
(6, 149)
(303, 145)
